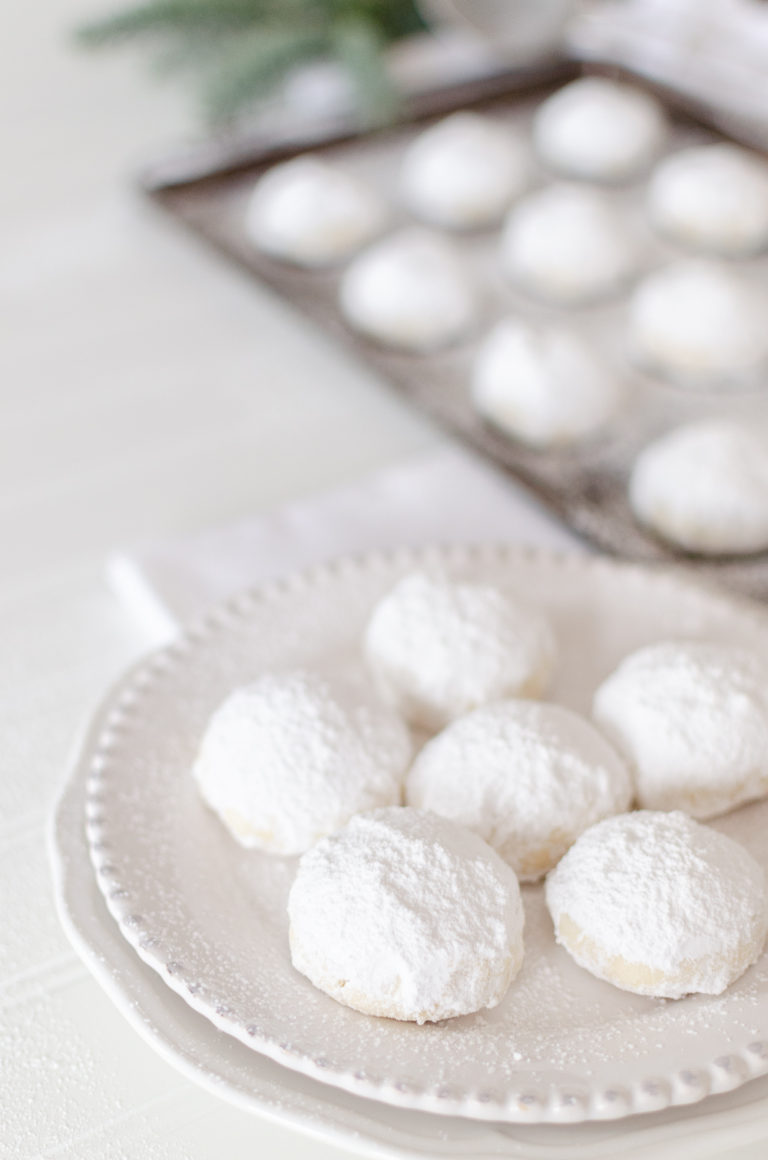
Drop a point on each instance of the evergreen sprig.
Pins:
(238, 51)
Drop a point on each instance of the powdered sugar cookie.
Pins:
(463, 172)
(713, 197)
(657, 904)
(542, 385)
(704, 487)
(568, 244)
(438, 648)
(290, 758)
(599, 130)
(309, 212)
(698, 324)
(691, 719)
(406, 915)
(528, 777)
(411, 291)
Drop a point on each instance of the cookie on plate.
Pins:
(406, 915)
(438, 648)
(691, 719)
(657, 904)
(292, 756)
(528, 776)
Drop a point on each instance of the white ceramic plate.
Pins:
(210, 917)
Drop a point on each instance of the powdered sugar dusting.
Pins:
(527, 776)
(210, 916)
(439, 648)
(691, 717)
(660, 905)
(290, 758)
(405, 914)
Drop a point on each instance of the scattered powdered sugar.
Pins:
(691, 717)
(704, 487)
(658, 904)
(438, 648)
(407, 915)
(528, 777)
(291, 757)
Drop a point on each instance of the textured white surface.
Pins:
(406, 915)
(194, 904)
(691, 718)
(288, 758)
(660, 905)
(527, 776)
(437, 648)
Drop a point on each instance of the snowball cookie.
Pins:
(407, 915)
(691, 719)
(527, 777)
(438, 648)
(308, 212)
(291, 758)
(410, 291)
(657, 904)
(542, 385)
(698, 323)
(714, 197)
(598, 130)
(463, 172)
(704, 487)
(567, 244)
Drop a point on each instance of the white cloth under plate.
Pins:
(447, 495)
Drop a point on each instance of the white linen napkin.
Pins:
(448, 495)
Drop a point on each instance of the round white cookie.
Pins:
(410, 291)
(528, 777)
(568, 244)
(463, 172)
(698, 324)
(406, 915)
(704, 487)
(542, 384)
(598, 130)
(308, 212)
(438, 648)
(691, 719)
(712, 197)
(657, 904)
(292, 757)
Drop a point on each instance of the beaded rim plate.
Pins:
(209, 917)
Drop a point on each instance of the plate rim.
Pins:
(525, 1105)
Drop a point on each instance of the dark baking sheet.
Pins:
(586, 485)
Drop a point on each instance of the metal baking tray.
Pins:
(584, 484)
